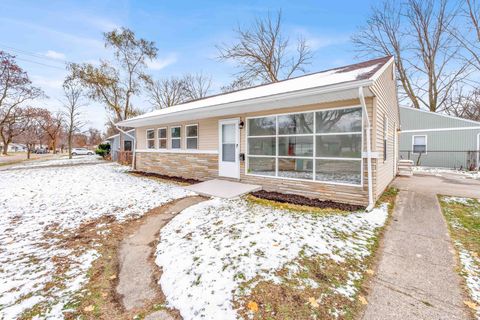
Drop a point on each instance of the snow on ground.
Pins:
(471, 267)
(57, 199)
(63, 161)
(440, 171)
(212, 247)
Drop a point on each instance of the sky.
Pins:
(44, 35)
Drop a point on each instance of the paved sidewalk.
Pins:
(416, 276)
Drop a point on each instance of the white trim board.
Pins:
(441, 129)
(177, 151)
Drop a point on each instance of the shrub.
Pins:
(103, 150)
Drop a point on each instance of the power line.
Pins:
(40, 63)
(36, 55)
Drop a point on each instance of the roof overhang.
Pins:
(324, 94)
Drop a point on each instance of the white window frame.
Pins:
(186, 137)
(147, 139)
(179, 138)
(166, 137)
(314, 158)
(426, 143)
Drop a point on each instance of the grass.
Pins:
(463, 217)
(306, 289)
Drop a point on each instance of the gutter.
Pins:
(134, 144)
(368, 130)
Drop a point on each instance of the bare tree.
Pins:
(465, 105)
(14, 125)
(31, 129)
(94, 136)
(114, 84)
(15, 90)
(72, 104)
(469, 34)
(165, 93)
(51, 125)
(418, 34)
(262, 52)
(196, 85)
(171, 91)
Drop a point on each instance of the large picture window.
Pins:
(324, 146)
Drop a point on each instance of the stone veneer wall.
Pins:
(202, 166)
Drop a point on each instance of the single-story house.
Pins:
(437, 140)
(330, 135)
(114, 142)
(15, 147)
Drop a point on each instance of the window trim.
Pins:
(166, 137)
(426, 143)
(179, 138)
(314, 134)
(385, 137)
(186, 137)
(147, 139)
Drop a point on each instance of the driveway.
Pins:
(416, 277)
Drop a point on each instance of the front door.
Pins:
(229, 148)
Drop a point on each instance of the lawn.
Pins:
(46, 207)
(463, 216)
(230, 259)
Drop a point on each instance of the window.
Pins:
(192, 136)
(419, 144)
(127, 145)
(162, 138)
(150, 139)
(175, 137)
(319, 146)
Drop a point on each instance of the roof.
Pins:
(417, 119)
(337, 79)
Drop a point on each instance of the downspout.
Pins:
(368, 129)
(134, 144)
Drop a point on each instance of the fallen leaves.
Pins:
(313, 302)
(362, 300)
(471, 305)
(89, 308)
(252, 306)
(113, 277)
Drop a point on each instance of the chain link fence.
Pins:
(458, 160)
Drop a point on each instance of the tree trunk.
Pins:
(70, 145)
(28, 152)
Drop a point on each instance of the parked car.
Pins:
(81, 151)
(41, 150)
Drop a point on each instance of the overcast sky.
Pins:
(45, 34)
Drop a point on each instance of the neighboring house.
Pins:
(437, 140)
(307, 135)
(114, 141)
(15, 147)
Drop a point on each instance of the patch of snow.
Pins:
(58, 199)
(471, 269)
(210, 248)
(456, 200)
(441, 171)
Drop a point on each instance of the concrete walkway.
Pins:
(416, 277)
(222, 188)
(137, 285)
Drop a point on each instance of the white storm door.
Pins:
(229, 148)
